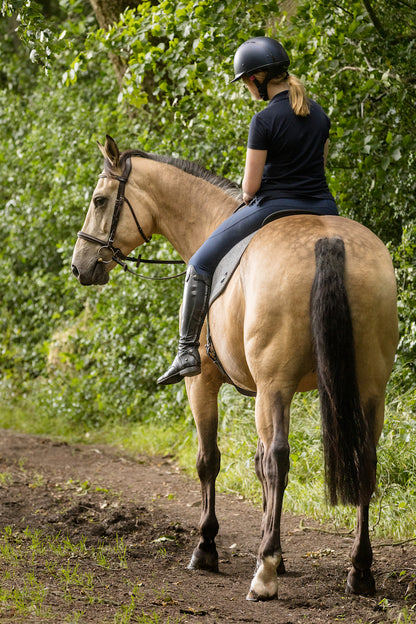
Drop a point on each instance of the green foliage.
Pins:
(365, 79)
(405, 261)
(74, 352)
(102, 335)
(178, 57)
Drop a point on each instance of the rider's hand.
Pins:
(247, 198)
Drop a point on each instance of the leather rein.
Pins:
(117, 256)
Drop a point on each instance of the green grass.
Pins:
(44, 576)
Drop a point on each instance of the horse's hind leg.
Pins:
(202, 394)
(272, 419)
(258, 463)
(360, 578)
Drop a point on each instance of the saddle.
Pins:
(222, 275)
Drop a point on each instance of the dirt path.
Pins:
(105, 496)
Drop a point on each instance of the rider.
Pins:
(284, 169)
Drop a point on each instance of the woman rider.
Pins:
(284, 169)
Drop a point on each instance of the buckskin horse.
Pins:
(312, 304)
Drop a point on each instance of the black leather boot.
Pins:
(194, 308)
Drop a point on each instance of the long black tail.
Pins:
(349, 449)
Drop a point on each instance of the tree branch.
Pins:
(376, 22)
(406, 4)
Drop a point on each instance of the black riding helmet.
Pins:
(260, 54)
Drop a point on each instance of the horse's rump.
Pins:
(271, 290)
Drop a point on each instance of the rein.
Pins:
(117, 256)
(139, 260)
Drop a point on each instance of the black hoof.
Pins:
(202, 560)
(360, 582)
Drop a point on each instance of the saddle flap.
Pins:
(226, 268)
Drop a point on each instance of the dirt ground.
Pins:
(105, 495)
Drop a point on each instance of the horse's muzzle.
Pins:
(98, 275)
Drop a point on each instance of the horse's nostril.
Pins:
(75, 271)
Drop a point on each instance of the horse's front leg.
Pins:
(203, 397)
(272, 419)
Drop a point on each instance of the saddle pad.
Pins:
(226, 268)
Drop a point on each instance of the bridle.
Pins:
(117, 256)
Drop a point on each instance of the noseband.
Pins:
(117, 255)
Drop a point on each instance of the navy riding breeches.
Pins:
(246, 220)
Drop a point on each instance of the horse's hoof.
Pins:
(281, 568)
(253, 596)
(202, 560)
(360, 582)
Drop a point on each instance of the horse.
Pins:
(312, 304)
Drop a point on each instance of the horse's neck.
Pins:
(187, 209)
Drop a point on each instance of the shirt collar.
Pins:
(283, 95)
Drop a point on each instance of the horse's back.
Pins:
(269, 296)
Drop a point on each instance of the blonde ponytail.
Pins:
(297, 93)
(297, 97)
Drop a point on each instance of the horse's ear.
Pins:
(110, 151)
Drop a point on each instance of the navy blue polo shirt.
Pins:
(295, 150)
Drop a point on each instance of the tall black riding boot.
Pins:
(194, 308)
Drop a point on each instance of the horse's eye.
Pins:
(99, 201)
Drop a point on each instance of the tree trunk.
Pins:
(107, 12)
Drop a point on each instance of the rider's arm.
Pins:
(255, 161)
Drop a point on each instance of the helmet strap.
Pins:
(262, 86)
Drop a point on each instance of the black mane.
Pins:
(187, 166)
